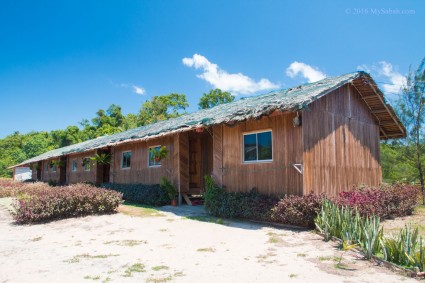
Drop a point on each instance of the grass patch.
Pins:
(126, 243)
(160, 267)
(292, 275)
(88, 256)
(342, 266)
(208, 250)
(206, 218)
(274, 238)
(159, 279)
(95, 277)
(139, 210)
(137, 267)
(179, 274)
(36, 239)
(325, 258)
(301, 255)
(266, 258)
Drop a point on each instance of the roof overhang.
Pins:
(390, 126)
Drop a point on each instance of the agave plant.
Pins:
(371, 237)
(405, 249)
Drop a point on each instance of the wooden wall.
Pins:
(49, 175)
(277, 177)
(181, 162)
(139, 172)
(80, 175)
(341, 143)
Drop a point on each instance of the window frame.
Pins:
(85, 167)
(74, 161)
(154, 165)
(256, 136)
(46, 167)
(122, 160)
(54, 169)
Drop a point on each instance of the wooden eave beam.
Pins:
(386, 107)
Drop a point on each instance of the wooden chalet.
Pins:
(321, 137)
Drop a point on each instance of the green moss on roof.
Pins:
(291, 99)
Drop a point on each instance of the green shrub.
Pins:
(37, 203)
(166, 185)
(144, 194)
(247, 205)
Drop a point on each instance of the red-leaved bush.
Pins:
(384, 201)
(9, 187)
(297, 210)
(40, 202)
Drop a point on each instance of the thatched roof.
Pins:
(292, 99)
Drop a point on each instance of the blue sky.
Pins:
(60, 61)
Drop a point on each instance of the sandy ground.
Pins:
(416, 220)
(173, 248)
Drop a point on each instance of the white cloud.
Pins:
(138, 89)
(397, 80)
(386, 71)
(236, 83)
(310, 73)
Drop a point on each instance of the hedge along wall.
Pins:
(144, 194)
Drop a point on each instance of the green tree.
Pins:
(394, 166)
(36, 144)
(162, 108)
(214, 98)
(108, 122)
(411, 109)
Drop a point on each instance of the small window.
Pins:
(151, 159)
(54, 168)
(257, 147)
(86, 164)
(46, 167)
(126, 160)
(74, 165)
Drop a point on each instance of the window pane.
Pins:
(152, 161)
(250, 147)
(86, 162)
(126, 160)
(265, 146)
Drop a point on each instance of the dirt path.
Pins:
(121, 248)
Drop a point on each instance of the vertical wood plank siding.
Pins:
(80, 175)
(278, 177)
(50, 175)
(139, 171)
(183, 161)
(217, 173)
(341, 143)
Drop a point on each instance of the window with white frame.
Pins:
(152, 161)
(46, 167)
(74, 165)
(54, 168)
(126, 160)
(86, 164)
(257, 147)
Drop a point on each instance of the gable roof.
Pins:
(291, 99)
